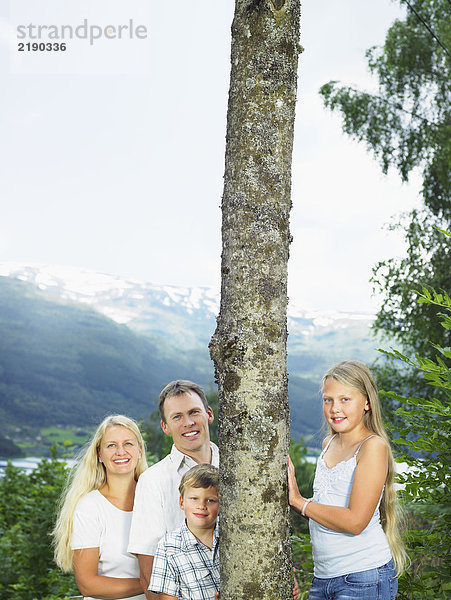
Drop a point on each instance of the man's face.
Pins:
(187, 421)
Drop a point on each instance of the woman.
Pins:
(92, 528)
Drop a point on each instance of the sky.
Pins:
(112, 151)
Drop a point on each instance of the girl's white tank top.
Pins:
(336, 553)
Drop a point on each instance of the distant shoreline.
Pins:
(29, 463)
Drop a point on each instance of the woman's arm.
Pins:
(86, 564)
(369, 479)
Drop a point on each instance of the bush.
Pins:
(27, 512)
(302, 548)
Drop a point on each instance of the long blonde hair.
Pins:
(357, 375)
(88, 474)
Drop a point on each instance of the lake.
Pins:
(29, 463)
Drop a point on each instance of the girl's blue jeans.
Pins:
(374, 584)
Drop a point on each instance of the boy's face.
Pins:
(200, 506)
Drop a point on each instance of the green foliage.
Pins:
(8, 448)
(158, 444)
(68, 439)
(303, 561)
(27, 512)
(407, 123)
(302, 548)
(427, 264)
(305, 473)
(424, 435)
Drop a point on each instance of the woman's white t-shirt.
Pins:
(100, 524)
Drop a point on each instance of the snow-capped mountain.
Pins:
(75, 344)
(120, 299)
(185, 317)
(144, 307)
(126, 300)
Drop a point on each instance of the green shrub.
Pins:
(27, 512)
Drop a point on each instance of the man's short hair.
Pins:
(200, 476)
(178, 387)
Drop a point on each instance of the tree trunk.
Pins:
(249, 345)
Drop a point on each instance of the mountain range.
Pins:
(75, 345)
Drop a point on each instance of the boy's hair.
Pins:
(178, 387)
(200, 476)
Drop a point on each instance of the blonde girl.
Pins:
(357, 549)
(93, 524)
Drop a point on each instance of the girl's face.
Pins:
(344, 406)
(119, 450)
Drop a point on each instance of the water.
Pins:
(29, 463)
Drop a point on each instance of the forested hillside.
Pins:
(64, 364)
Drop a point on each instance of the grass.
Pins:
(66, 436)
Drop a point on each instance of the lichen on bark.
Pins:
(249, 344)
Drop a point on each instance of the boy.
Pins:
(186, 563)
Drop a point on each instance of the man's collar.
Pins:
(178, 457)
(214, 454)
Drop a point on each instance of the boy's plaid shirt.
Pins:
(183, 567)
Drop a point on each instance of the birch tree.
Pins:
(249, 344)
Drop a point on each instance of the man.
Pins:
(185, 415)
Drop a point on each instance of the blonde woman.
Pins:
(357, 550)
(93, 525)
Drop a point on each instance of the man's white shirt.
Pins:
(156, 509)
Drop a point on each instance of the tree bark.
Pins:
(249, 344)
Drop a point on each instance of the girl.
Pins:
(357, 550)
(93, 525)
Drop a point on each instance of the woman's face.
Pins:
(119, 450)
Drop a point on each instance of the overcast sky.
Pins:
(112, 153)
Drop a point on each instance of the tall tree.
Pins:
(249, 345)
(407, 126)
(407, 123)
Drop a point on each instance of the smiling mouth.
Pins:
(190, 434)
(338, 419)
(121, 461)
